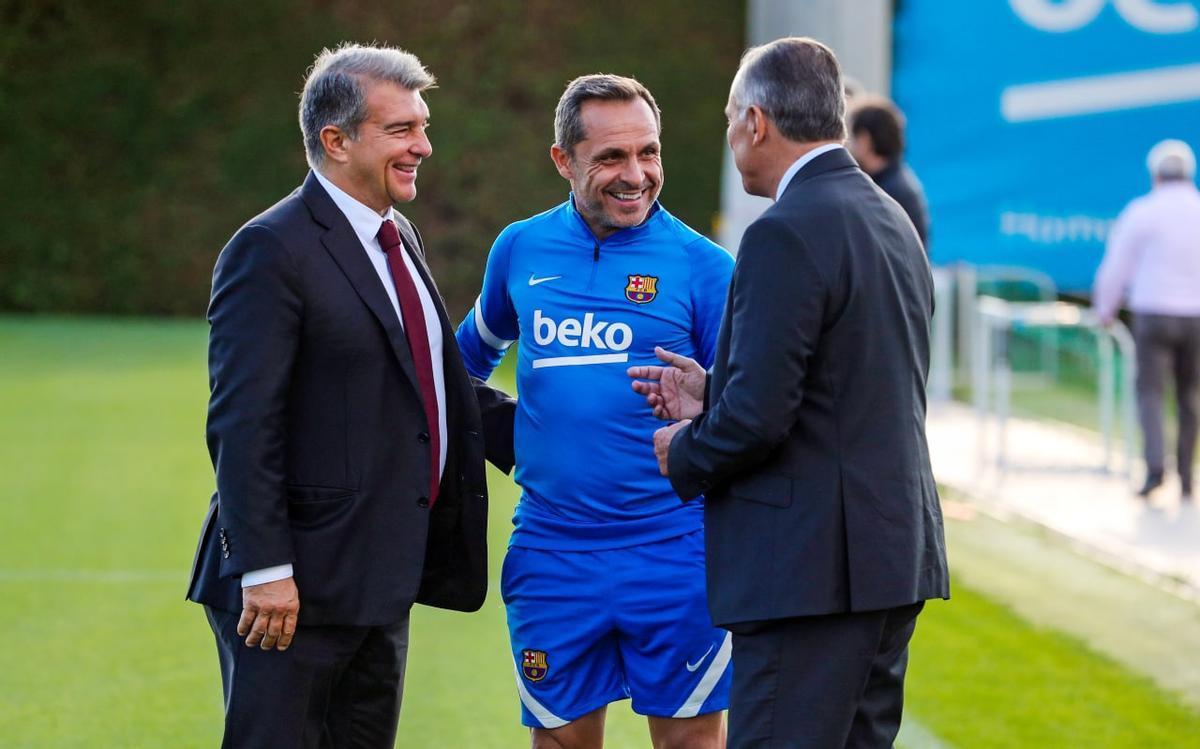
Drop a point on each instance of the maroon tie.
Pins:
(418, 341)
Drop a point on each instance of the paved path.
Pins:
(1050, 482)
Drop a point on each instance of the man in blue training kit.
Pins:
(604, 578)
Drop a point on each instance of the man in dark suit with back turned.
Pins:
(824, 532)
(347, 438)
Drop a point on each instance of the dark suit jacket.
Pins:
(812, 453)
(318, 436)
(898, 181)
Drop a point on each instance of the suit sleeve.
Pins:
(491, 326)
(777, 307)
(497, 410)
(712, 268)
(255, 317)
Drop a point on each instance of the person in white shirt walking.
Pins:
(1154, 253)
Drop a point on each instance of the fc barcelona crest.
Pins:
(641, 289)
(534, 665)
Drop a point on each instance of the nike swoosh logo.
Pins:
(534, 281)
(696, 665)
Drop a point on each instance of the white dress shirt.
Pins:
(1154, 252)
(799, 163)
(366, 222)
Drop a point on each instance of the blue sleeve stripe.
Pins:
(485, 332)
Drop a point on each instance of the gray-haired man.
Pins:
(344, 430)
(1154, 253)
(824, 532)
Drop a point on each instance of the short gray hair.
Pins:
(797, 82)
(335, 90)
(568, 124)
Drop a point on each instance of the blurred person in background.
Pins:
(347, 438)
(1153, 253)
(604, 577)
(876, 128)
(854, 90)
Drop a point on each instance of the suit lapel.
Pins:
(458, 388)
(416, 253)
(427, 278)
(342, 244)
(452, 364)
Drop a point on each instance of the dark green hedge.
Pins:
(140, 136)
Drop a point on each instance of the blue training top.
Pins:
(583, 311)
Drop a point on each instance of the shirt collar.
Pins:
(363, 219)
(799, 163)
(629, 233)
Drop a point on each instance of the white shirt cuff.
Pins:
(266, 575)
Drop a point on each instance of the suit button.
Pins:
(225, 554)
(423, 437)
(423, 502)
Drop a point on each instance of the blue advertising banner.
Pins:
(1029, 121)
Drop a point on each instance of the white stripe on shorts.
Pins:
(544, 716)
(716, 669)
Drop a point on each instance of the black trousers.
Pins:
(335, 687)
(820, 682)
(1168, 347)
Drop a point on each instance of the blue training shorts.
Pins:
(591, 627)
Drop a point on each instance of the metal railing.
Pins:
(991, 372)
(972, 279)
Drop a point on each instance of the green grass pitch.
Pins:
(106, 480)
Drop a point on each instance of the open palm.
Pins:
(675, 391)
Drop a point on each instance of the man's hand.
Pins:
(675, 391)
(662, 443)
(269, 614)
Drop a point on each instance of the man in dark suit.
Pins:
(824, 532)
(347, 438)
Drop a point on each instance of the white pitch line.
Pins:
(91, 576)
(1100, 93)
(913, 735)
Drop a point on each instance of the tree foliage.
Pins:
(141, 135)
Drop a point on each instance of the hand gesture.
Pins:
(674, 392)
(662, 443)
(269, 614)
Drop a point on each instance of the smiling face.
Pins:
(378, 166)
(616, 171)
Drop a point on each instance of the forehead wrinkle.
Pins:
(390, 111)
(632, 131)
(620, 141)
